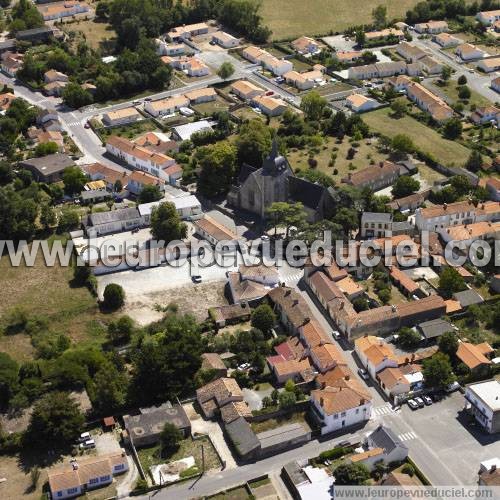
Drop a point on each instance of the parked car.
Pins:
(269, 92)
(212, 42)
(196, 278)
(243, 366)
(363, 374)
(412, 404)
(87, 125)
(84, 436)
(452, 387)
(420, 402)
(87, 445)
(427, 400)
(336, 334)
(148, 99)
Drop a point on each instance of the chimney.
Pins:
(341, 305)
(321, 401)
(448, 230)
(287, 292)
(347, 377)
(295, 302)
(445, 206)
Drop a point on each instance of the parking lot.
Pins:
(442, 442)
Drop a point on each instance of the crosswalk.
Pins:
(407, 436)
(293, 279)
(74, 124)
(383, 410)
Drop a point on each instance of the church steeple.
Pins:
(274, 162)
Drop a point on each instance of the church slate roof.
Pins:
(306, 192)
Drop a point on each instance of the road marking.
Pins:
(74, 124)
(383, 410)
(407, 436)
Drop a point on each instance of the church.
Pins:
(256, 189)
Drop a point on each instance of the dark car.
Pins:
(363, 374)
(196, 279)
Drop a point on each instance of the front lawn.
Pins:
(130, 131)
(424, 137)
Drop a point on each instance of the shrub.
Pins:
(408, 469)
(333, 454)
(114, 297)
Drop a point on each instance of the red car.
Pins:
(270, 92)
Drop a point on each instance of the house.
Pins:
(38, 35)
(493, 187)
(11, 63)
(97, 171)
(214, 232)
(399, 83)
(375, 354)
(120, 117)
(467, 234)
(306, 481)
(144, 428)
(360, 103)
(394, 450)
(201, 95)
(59, 10)
(375, 177)
(139, 157)
(44, 136)
(211, 361)
(432, 330)
(430, 66)
(184, 132)
(114, 221)
(169, 49)
(185, 32)
(485, 403)
(277, 66)
(85, 474)
(192, 66)
(305, 45)
(446, 40)
(488, 17)
(303, 81)
(157, 142)
(469, 52)
(5, 101)
(253, 54)
(166, 106)
(429, 102)
(214, 395)
(244, 290)
(405, 284)
(231, 314)
(453, 214)
(188, 207)
(138, 179)
(246, 90)
(52, 75)
(326, 357)
(291, 308)
(375, 225)
(270, 106)
(489, 65)
(48, 168)
(339, 407)
(410, 52)
(490, 477)
(348, 56)
(54, 88)
(225, 40)
(49, 120)
(474, 356)
(385, 33)
(486, 114)
(431, 27)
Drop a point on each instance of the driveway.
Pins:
(106, 442)
(254, 398)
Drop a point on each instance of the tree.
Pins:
(166, 224)
(452, 128)
(218, 164)
(404, 186)
(462, 80)
(46, 148)
(69, 219)
(9, 370)
(401, 144)
(170, 437)
(474, 162)
(114, 297)
(360, 37)
(285, 214)
(464, 92)
(287, 399)
(313, 105)
(437, 371)
(445, 73)
(56, 421)
(351, 474)
(34, 476)
(450, 282)
(81, 274)
(74, 180)
(408, 338)
(75, 96)
(384, 295)
(398, 107)
(47, 216)
(253, 143)
(110, 390)
(102, 9)
(448, 344)
(149, 193)
(379, 16)
(226, 70)
(120, 331)
(263, 318)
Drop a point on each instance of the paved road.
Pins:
(476, 81)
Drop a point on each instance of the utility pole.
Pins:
(202, 459)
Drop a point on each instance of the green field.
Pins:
(425, 138)
(292, 18)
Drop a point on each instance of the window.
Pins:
(94, 480)
(119, 467)
(336, 416)
(342, 414)
(104, 478)
(72, 490)
(251, 198)
(357, 411)
(59, 493)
